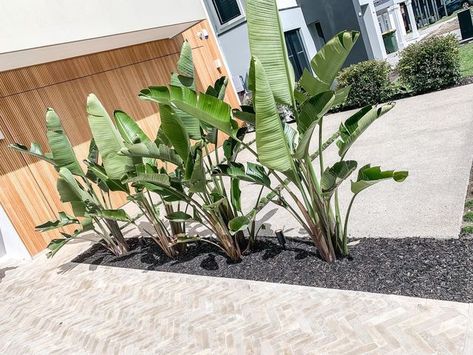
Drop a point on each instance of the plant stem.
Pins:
(345, 228)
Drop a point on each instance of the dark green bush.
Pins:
(431, 64)
(370, 83)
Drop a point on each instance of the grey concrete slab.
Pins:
(429, 135)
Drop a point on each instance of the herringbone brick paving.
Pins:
(56, 307)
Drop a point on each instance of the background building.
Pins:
(229, 21)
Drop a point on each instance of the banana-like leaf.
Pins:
(63, 220)
(313, 109)
(152, 178)
(254, 173)
(56, 244)
(197, 181)
(162, 96)
(61, 148)
(291, 136)
(238, 224)
(100, 174)
(246, 114)
(175, 131)
(151, 150)
(179, 216)
(206, 108)
(368, 176)
(115, 215)
(35, 151)
(219, 88)
(235, 194)
(335, 175)
(341, 96)
(129, 129)
(70, 190)
(185, 65)
(354, 126)
(271, 144)
(330, 58)
(231, 146)
(108, 140)
(267, 43)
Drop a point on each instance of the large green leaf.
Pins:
(128, 128)
(330, 58)
(254, 173)
(354, 126)
(152, 178)
(235, 194)
(368, 176)
(185, 66)
(179, 216)
(35, 151)
(61, 148)
(162, 96)
(174, 130)
(151, 150)
(206, 108)
(267, 43)
(100, 174)
(238, 224)
(108, 140)
(115, 215)
(335, 175)
(197, 180)
(271, 144)
(63, 220)
(313, 109)
(70, 190)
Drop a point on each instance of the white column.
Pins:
(395, 18)
(412, 19)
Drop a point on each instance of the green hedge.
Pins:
(430, 65)
(369, 81)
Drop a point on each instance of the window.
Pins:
(296, 52)
(227, 10)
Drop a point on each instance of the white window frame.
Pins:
(232, 23)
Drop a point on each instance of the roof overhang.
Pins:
(40, 31)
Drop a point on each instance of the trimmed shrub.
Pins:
(369, 81)
(431, 64)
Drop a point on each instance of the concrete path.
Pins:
(52, 306)
(431, 136)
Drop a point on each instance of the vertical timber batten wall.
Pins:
(28, 186)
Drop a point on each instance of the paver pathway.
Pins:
(54, 307)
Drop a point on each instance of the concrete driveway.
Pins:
(431, 136)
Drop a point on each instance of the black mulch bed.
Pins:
(428, 268)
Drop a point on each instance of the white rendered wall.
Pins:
(11, 245)
(58, 29)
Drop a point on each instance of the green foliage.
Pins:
(369, 81)
(468, 216)
(431, 64)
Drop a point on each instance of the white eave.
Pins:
(34, 32)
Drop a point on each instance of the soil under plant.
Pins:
(428, 268)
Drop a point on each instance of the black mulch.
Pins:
(428, 268)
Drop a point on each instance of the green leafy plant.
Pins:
(369, 82)
(431, 64)
(311, 197)
(86, 191)
(191, 124)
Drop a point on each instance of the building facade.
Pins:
(229, 22)
(53, 54)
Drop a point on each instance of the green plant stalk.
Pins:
(345, 228)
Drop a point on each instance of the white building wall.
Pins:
(11, 245)
(58, 29)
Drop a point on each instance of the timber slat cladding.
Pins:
(28, 186)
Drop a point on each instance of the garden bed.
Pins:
(428, 268)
